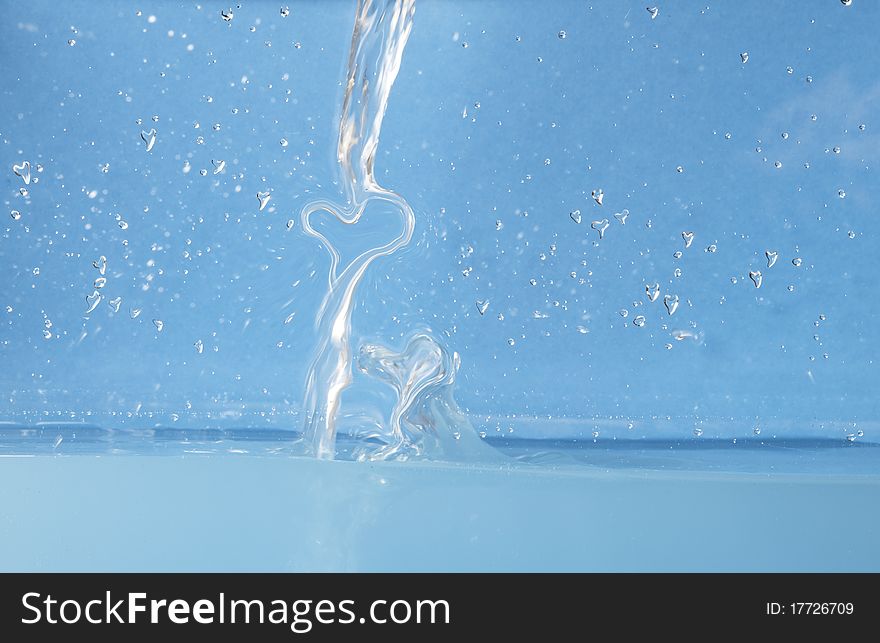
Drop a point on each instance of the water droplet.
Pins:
(134, 312)
(678, 254)
(698, 432)
(92, 301)
(219, 166)
(285, 11)
(583, 330)
(772, 256)
(639, 321)
(688, 239)
(499, 224)
(809, 79)
(679, 169)
(790, 287)
(756, 277)
(846, 3)
(200, 346)
(227, 14)
(622, 216)
(728, 136)
(654, 11)
(482, 306)
(16, 215)
(100, 282)
(290, 224)
(263, 198)
(671, 303)
(123, 224)
(851, 234)
(159, 324)
(511, 341)
(149, 138)
(778, 165)
(784, 136)
(24, 191)
(841, 194)
(676, 272)
(115, 304)
(836, 149)
(47, 334)
(289, 318)
(600, 226)
(100, 264)
(862, 127)
(284, 142)
(23, 171)
(575, 216)
(711, 248)
(623, 312)
(652, 291)
(71, 42)
(757, 430)
(533, 282)
(796, 262)
(789, 70)
(561, 35)
(744, 56)
(203, 172)
(598, 195)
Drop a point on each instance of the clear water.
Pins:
(605, 280)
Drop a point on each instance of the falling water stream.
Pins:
(423, 373)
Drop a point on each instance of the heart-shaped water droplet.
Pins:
(93, 300)
(575, 216)
(652, 291)
(482, 306)
(263, 198)
(219, 166)
(688, 239)
(100, 264)
(115, 304)
(756, 277)
(149, 138)
(600, 226)
(671, 303)
(23, 171)
(772, 256)
(621, 216)
(598, 195)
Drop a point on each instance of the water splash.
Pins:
(381, 30)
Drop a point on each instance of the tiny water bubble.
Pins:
(796, 262)
(284, 142)
(851, 234)
(511, 341)
(562, 35)
(841, 193)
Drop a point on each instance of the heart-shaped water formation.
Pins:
(756, 277)
(671, 303)
(772, 256)
(92, 301)
(622, 216)
(575, 216)
(149, 138)
(652, 291)
(688, 239)
(263, 198)
(600, 226)
(482, 306)
(23, 171)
